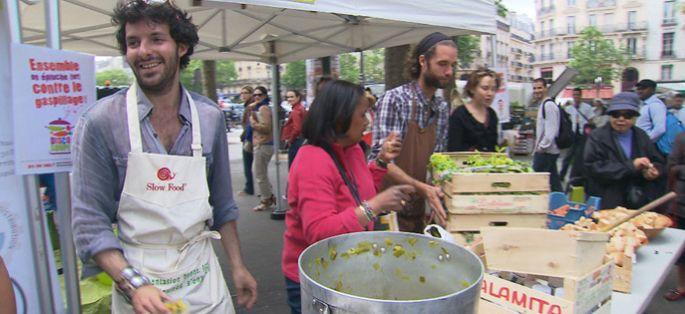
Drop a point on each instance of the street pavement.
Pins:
(262, 241)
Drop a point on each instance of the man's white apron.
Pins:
(163, 215)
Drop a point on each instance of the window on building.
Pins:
(666, 72)
(608, 22)
(571, 25)
(546, 73)
(542, 29)
(570, 3)
(569, 47)
(542, 52)
(667, 45)
(551, 27)
(631, 46)
(669, 12)
(592, 20)
(551, 51)
(632, 19)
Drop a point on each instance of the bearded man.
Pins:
(420, 117)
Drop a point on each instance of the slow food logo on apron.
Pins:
(165, 175)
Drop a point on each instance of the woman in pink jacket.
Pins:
(332, 188)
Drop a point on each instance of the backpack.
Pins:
(673, 127)
(566, 136)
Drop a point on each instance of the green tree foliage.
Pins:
(594, 56)
(117, 77)
(501, 9)
(468, 47)
(349, 67)
(191, 76)
(295, 75)
(374, 70)
(225, 72)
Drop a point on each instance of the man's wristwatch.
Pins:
(129, 280)
(381, 163)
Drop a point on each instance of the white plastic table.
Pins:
(654, 262)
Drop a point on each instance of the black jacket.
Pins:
(610, 173)
(468, 134)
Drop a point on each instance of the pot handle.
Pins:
(320, 306)
(437, 231)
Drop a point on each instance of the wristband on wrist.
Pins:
(381, 163)
(129, 280)
(368, 211)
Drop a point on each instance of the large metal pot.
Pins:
(389, 272)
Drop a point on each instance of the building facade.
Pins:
(249, 73)
(514, 48)
(650, 32)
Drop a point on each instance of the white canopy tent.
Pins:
(271, 31)
(300, 29)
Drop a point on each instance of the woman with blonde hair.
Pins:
(474, 126)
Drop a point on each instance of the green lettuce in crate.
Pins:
(443, 166)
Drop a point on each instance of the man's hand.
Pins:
(246, 286)
(391, 148)
(149, 300)
(433, 194)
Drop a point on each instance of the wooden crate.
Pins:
(623, 276)
(474, 222)
(590, 293)
(544, 252)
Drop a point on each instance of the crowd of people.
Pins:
(165, 186)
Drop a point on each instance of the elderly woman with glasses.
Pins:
(622, 163)
(263, 145)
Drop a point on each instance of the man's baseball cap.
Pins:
(646, 84)
(625, 101)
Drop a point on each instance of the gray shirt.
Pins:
(547, 128)
(100, 152)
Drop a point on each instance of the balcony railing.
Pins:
(546, 57)
(546, 10)
(591, 4)
(610, 28)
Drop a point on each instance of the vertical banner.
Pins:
(501, 102)
(15, 243)
(50, 87)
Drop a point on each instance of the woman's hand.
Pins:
(642, 163)
(391, 148)
(650, 173)
(393, 198)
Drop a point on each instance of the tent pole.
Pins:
(279, 211)
(62, 186)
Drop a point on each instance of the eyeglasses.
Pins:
(625, 114)
(258, 95)
(289, 97)
(246, 93)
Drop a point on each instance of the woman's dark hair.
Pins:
(476, 76)
(265, 92)
(330, 114)
(296, 92)
(182, 30)
(412, 64)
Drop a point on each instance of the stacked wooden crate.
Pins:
(475, 200)
(573, 260)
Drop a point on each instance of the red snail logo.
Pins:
(165, 174)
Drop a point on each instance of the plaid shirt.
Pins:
(393, 111)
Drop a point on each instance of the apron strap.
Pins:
(196, 145)
(133, 118)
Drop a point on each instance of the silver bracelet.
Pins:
(368, 211)
(129, 280)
